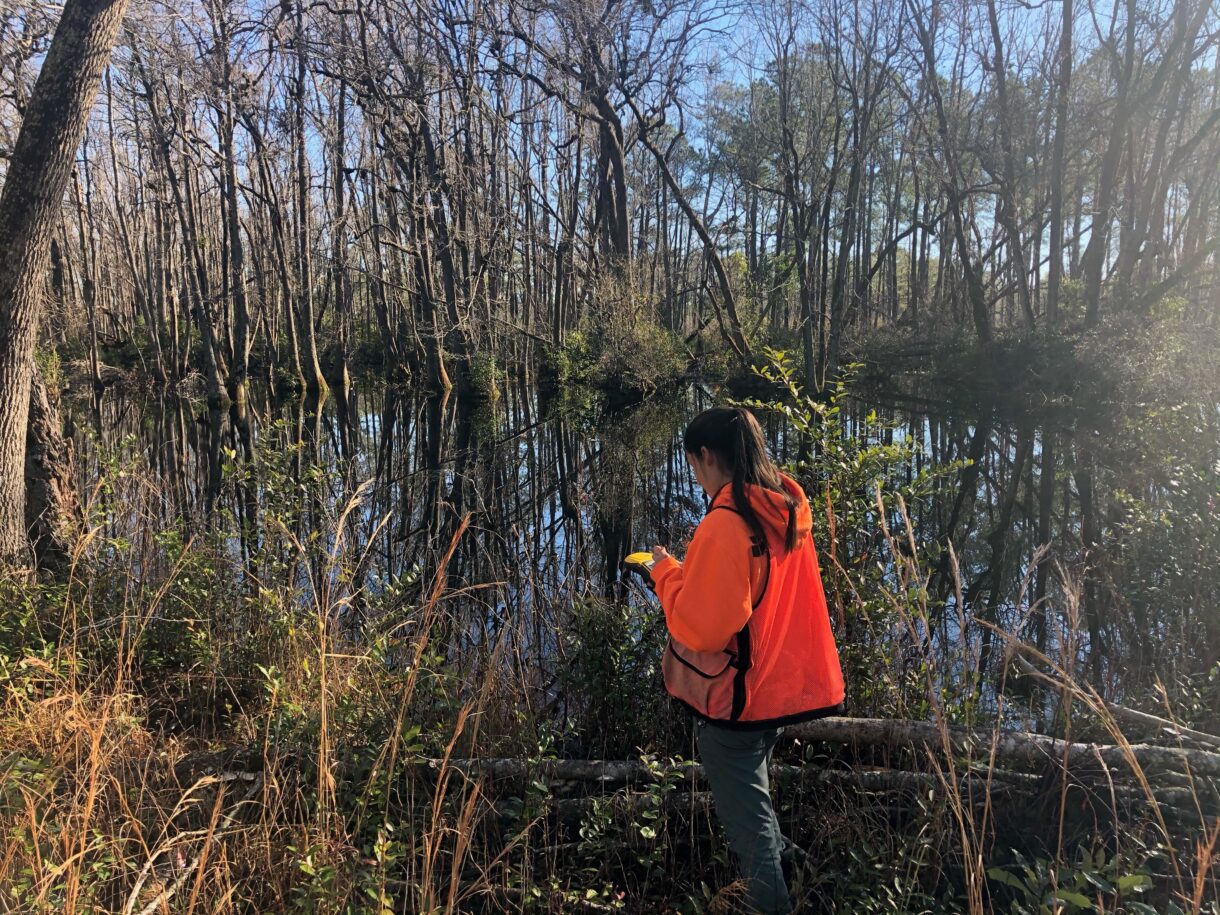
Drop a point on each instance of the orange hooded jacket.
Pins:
(751, 644)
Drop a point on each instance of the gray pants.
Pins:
(736, 766)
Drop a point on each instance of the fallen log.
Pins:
(865, 781)
(605, 771)
(1132, 716)
(1010, 748)
(999, 748)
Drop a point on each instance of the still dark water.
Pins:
(557, 488)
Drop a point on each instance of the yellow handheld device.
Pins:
(639, 561)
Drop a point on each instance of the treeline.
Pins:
(293, 188)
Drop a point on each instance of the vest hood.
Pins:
(772, 511)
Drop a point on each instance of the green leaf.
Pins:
(1076, 899)
(1099, 881)
(1135, 883)
(999, 875)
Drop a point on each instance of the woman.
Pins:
(751, 648)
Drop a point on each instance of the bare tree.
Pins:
(279, 184)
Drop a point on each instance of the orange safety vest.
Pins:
(750, 639)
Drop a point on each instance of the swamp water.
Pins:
(536, 498)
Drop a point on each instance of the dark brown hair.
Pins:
(734, 436)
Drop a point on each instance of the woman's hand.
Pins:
(658, 553)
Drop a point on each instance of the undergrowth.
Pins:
(231, 718)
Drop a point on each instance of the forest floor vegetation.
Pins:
(229, 718)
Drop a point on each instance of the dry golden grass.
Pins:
(312, 793)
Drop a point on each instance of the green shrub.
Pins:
(858, 486)
(570, 363)
(484, 377)
(636, 355)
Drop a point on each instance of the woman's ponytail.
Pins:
(734, 436)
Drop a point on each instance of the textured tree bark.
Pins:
(38, 174)
(612, 214)
(52, 510)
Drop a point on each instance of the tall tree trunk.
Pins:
(342, 294)
(1046, 497)
(239, 362)
(1009, 216)
(1094, 260)
(1089, 537)
(38, 173)
(275, 214)
(611, 184)
(955, 191)
(308, 335)
(729, 319)
(1055, 280)
(838, 295)
(802, 217)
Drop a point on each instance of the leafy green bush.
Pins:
(859, 486)
(1092, 882)
(635, 355)
(570, 363)
(610, 677)
(484, 376)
